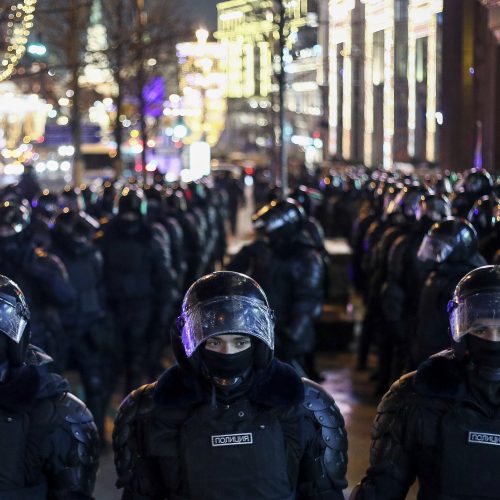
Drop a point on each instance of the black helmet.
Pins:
(90, 195)
(475, 305)
(14, 321)
(433, 207)
(107, 197)
(461, 203)
(131, 201)
(483, 215)
(226, 302)
(71, 225)
(176, 200)
(46, 204)
(475, 314)
(156, 200)
(12, 192)
(477, 182)
(72, 198)
(405, 203)
(442, 185)
(279, 220)
(452, 240)
(14, 218)
(308, 197)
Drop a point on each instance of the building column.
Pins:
(458, 137)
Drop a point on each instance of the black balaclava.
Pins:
(485, 356)
(230, 374)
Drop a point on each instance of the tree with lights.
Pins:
(142, 36)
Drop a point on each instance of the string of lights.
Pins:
(19, 26)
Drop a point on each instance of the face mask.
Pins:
(485, 355)
(228, 366)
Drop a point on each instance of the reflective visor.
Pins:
(226, 315)
(477, 315)
(12, 323)
(434, 249)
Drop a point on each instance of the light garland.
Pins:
(19, 27)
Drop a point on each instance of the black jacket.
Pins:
(49, 440)
(137, 264)
(292, 277)
(433, 426)
(432, 316)
(171, 439)
(83, 262)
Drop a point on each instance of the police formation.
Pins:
(421, 248)
(104, 269)
(94, 278)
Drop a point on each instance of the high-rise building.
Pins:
(415, 81)
(249, 31)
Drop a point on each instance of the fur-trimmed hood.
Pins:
(442, 376)
(277, 385)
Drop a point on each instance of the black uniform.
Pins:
(434, 425)
(291, 271)
(88, 340)
(41, 274)
(406, 277)
(440, 424)
(140, 286)
(50, 445)
(49, 440)
(260, 433)
(451, 246)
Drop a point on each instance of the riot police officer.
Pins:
(288, 266)
(451, 245)
(140, 284)
(485, 217)
(406, 275)
(41, 274)
(229, 420)
(87, 341)
(440, 424)
(49, 440)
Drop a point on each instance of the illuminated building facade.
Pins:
(203, 85)
(471, 84)
(431, 89)
(248, 30)
(424, 78)
(346, 76)
(304, 105)
(386, 87)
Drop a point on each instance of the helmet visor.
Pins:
(12, 323)
(434, 249)
(226, 315)
(477, 315)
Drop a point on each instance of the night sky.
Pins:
(203, 12)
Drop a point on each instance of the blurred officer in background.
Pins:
(286, 262)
